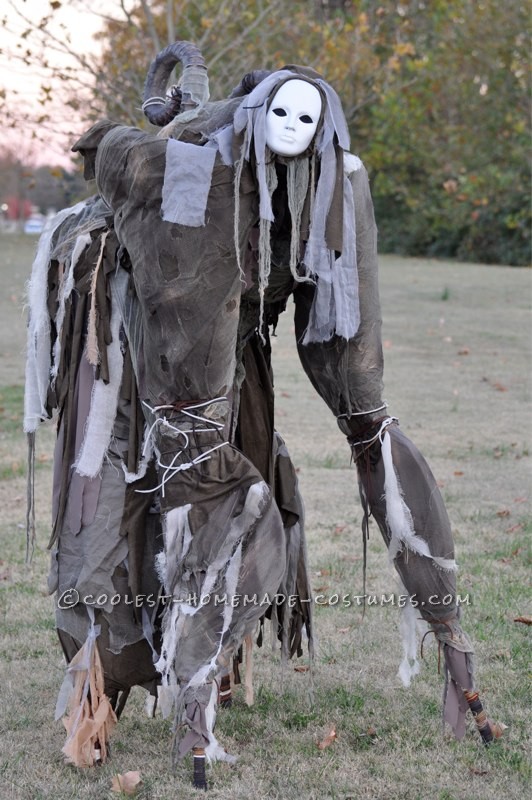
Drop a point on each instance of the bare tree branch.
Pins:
(151, 26)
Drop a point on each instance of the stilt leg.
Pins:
(248, 680)
(122, 702)
(225, 699)
(479, 715)
(199, 780)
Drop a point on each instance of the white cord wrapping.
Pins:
(363, 413)
(171, 469)
(380, 432)
(153, 101)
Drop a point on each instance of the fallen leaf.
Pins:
(504, 512)
(526, 620)
(497, 729)
(458, 473)
(128, 783)
(338, 529)
(514, 528)
(329, 739)
(477, 771)
(495, 384)
(502, 654)
(371, 731)
(513, 554)
(301, 668)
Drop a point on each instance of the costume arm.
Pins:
(347, 374)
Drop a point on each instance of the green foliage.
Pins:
(449, 149)
(436, 95)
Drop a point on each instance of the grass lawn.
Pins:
(457, 341)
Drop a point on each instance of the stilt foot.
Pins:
(199, 780)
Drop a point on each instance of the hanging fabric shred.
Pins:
(90, 717)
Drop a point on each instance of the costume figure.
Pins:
(151, 307)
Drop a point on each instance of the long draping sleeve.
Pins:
(347, 374)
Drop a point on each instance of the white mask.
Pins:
(292, 118)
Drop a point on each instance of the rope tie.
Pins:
(172, 469)
(153, 101)
(365, 444)
(363, 413)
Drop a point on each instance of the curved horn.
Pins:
(194, 91)
(249, 81)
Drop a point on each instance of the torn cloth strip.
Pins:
(38, 362)
(187, 181)
(102, 413)
(91, 718)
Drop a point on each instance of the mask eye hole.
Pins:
(305, 118)
(279, 112)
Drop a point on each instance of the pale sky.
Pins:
(80, 20)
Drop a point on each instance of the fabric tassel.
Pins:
(91, 717)
(409, 666)
(92, 353)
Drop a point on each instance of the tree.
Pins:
(450, 147)
(436, 96)
(46, 188)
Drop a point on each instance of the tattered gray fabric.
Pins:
(162, 309)
(187, 181)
